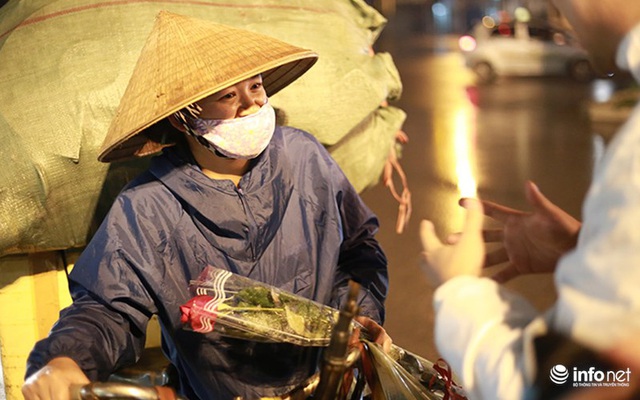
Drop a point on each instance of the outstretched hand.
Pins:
(532, 242)
(442, 262)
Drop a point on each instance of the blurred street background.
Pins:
(467, 138)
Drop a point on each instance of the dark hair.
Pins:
(164, 133)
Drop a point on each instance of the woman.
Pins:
(230, 190)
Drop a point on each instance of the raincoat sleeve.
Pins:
(483, 331)
(104, 328)
(361, 257)
(98, 338)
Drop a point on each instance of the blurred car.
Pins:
(523, 50)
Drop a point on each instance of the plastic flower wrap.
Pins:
(241, 307)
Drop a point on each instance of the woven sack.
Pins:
(64, 65)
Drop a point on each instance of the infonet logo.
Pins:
(559, 375)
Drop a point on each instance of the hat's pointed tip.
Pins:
(165, 14)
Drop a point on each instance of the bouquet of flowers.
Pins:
(241, 307)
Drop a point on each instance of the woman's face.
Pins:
(239, 100)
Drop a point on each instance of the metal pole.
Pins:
(335, 356)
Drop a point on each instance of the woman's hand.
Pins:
(443, 262)
(532, 242)
(374, 332)
(54, 380)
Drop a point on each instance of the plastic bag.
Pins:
(435, 380)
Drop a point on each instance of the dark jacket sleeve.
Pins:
(361, 257)
(104, 328)
(96, 337)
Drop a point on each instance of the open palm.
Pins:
(532, 242)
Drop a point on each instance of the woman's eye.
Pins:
(228, 96)
(257, 85)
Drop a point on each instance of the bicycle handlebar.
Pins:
(121, 391)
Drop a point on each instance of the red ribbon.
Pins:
(452, 389)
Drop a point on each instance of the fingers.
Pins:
(496, 257)
(441, 263)
(430, 241)
(506, 274)
(474, 216)
(355, 336)
(381, 337)
(493, 235)
(473, 223)
(453, 238)
(488, 236)
(493, 210)
(376, 332)
(536, 198)
(385, 341)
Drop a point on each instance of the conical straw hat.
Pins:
(185, 60)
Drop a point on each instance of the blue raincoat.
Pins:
(294, 222)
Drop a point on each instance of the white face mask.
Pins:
(239, 138)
